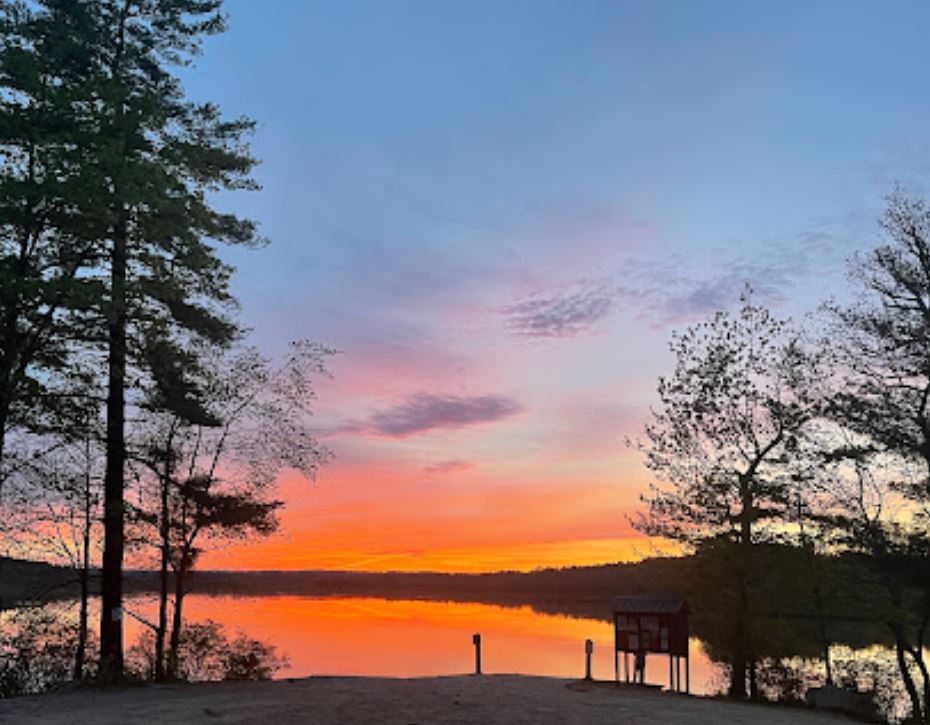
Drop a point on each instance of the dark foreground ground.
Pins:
(484, 700)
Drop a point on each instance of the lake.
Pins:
(375, 636)
(409, 638)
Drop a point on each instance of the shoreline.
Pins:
(347, 700)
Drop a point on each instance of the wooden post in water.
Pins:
(476, 640)
(588, 650)
(617, 666)
(688, 674)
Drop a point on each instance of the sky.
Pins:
(499, 211)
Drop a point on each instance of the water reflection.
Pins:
(409, 638)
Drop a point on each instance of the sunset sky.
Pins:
(499, 211)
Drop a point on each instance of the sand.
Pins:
(481, 700)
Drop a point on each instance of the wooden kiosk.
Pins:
(651, 625)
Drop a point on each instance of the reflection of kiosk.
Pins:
(644, 625)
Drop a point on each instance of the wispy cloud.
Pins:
(425, 412)
(678, 289)
(682, 289)
(441, 468)
(564, 314)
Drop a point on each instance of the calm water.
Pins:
(410, 638)
(364, 636)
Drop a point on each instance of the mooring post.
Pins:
(588, 650)
(476, 639)
(688, 674)
(616, 666)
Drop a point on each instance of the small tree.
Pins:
(725, 440)
(203, 511)
(214, 480)
(61, 486)
(68, 523)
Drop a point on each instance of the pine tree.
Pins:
(150, 161)
(107, 228)
(162, 156)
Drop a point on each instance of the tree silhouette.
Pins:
(882, 345)
(213, 478)
(154, 159)
(725, 439)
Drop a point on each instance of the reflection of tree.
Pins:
(207, 654)
(783, 624)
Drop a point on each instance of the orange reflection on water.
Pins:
(402, 638)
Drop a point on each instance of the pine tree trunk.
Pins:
(828, 665)
(737, 689)
(111, 585)
(111, 580)
(824, 635)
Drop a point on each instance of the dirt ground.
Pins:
(476, 700)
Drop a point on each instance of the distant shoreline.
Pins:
(583, 591)
(26, 580)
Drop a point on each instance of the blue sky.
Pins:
(499, 210)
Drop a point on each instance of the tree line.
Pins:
(816, 436)
(133, 417)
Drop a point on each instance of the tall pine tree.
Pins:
(151, 161)
(163, 155)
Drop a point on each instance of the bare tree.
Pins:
(64, 515)
(214, 481)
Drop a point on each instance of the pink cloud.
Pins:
(424, 412)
